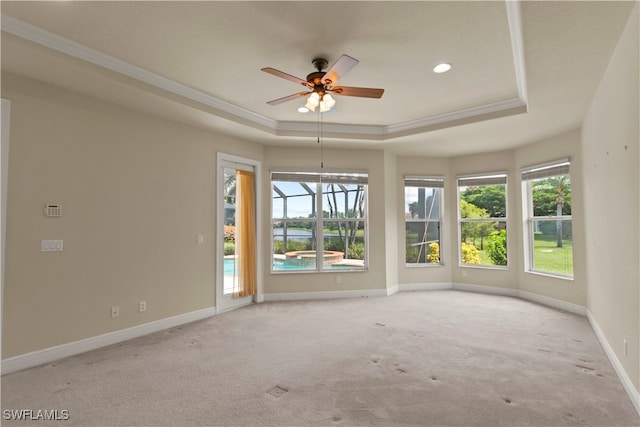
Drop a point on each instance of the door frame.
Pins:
(5, 111)
(224, 159)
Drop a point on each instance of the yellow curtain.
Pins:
(245, 234)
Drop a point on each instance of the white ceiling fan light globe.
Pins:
(329, 102)
(442, 68)
(314, 99)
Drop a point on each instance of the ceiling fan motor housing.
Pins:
(315, 79)
(320, 63)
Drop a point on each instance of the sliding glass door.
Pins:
(237, 272)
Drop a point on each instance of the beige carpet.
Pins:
(415, 358)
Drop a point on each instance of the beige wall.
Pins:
(431, 274)
(556, 148)
(469, 165)
(136, 191)
(373, 162)
(610, 138)
(393, 251)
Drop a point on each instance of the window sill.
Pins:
(551, 275)
(292, 271)
(484, 267)
(425, 265)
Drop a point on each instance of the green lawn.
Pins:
(549, 258)
(485, 259)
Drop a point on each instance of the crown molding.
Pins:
(243, 116)
(69, 47)
(514, 17)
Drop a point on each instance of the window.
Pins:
(548, 237)
(319, 213)
(422, 219)
(482, 216)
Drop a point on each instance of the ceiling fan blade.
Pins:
(284, 75)
(288, 98)
(339, 69)
(363, 92)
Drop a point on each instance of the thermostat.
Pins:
(51, 209)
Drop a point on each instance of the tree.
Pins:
(475, 229)
(497, 247)
(491, 198)
(413, 209)
(346, 230)
(554, 190)
(230, 188)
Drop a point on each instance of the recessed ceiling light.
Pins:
(442, 68)
(303, 110)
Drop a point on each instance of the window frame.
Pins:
(488, 178)
(320, 178)
(529, 174)
(429, 181)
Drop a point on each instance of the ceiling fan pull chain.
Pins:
(320, 139)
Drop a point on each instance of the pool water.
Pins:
(278, 264)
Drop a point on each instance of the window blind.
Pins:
(325, 177)
(422, 181)
(473, 181)
(546, 171)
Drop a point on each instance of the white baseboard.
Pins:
(393, 290)
(408, 287)
(492, 290)
(47, 355)
(634, 395)
(298, 296)
(554, 303)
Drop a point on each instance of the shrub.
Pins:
(497, 247)
(434, 253)
(292, 245)
(412, 255)
(356, 250)
(470, 254)
(335, 244)
(229, 248)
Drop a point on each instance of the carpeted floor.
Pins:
(417, 358)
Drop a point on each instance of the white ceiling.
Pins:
(522, 71)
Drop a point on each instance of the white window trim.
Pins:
(528, 218)
(319, 219)
(440, 220)
(492, 219)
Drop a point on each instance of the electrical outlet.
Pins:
(626, 350)
(464, 273)
(143, 306)
(338, 280)
(115, 311)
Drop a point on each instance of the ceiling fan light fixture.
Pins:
(313, 101)
(328, 100)
(327, 103)
(442, 68)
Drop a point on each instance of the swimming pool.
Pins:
(278, 264)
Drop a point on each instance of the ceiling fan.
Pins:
(322, 84)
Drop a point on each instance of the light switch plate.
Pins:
(51, 245)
